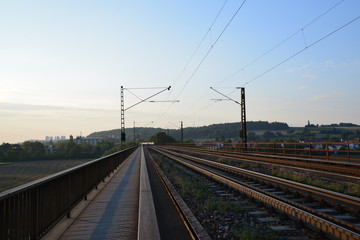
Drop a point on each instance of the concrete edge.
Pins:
(147, 222)
(196, 226)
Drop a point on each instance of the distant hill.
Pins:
(340, 125)
(221, 130)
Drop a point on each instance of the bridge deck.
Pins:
(112, 214)
(132, 204)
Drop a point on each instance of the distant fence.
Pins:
(30, 210)
(321, 150)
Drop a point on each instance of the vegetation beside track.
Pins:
(352, 189)
(222, 217)
(335, 184)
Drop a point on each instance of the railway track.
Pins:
(195, 229)
(337, 167)
(335, 215)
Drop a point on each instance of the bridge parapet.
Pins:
(30, 210)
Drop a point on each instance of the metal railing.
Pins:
(30, 210)
(336, 151)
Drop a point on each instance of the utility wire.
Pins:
(279, 44)
(196, 112)
(200, 43)
(292, 56)
(134, 94)
(192, 56)
(302, 50)
(284, 41)
(211, 47)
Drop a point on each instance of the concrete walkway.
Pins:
(112, 214)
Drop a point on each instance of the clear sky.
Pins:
(62, 63)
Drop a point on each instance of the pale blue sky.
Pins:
(62, 63)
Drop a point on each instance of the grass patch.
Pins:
(352, 189)
(223, 160)
(245, 166)
(210, 207)
(251, 231)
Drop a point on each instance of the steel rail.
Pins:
(317, 222)
(237, 158)
(192, 224)
(352, 169)
(354, 202)
(290, 185)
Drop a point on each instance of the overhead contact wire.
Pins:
(194, 53)
(211, 47)
(285, 40)
(302, 50)
(201, 42)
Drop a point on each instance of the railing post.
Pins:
(274, 148)
(348, 145)
(69, 197)
(284, 151)
(86, 183)
(37, 225)
(327, 151)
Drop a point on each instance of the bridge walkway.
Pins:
(132, 204)
(112, 213)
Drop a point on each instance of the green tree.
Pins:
(269, 135)
(12, 152)
(251, 136)
(34, 149)
(162, 137)
(105, 145)
(75, 151)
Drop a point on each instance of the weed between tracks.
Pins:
(349, 188)
(223, 218)
(352, 189)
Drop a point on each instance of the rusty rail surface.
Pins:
(330, 151)
(318, 223)
(30, 210)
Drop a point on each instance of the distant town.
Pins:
(105, 142)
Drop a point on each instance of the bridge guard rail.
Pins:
(330, 151)
(30, 210)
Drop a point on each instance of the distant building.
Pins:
(91, 141)
(311, 125)
(50, 149)
(54, 139)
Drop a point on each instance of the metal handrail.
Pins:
(331, 151)
(29, 211)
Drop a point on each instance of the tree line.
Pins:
(221, 130)
(36, 150)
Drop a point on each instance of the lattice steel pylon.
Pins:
(243, 133)
(122, 134)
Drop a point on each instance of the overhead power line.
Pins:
(302, 50)
(193, 55)
(285, 40)
(144, 100)
(211, 47)
(201, 42)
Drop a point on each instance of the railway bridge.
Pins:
(125, 196)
